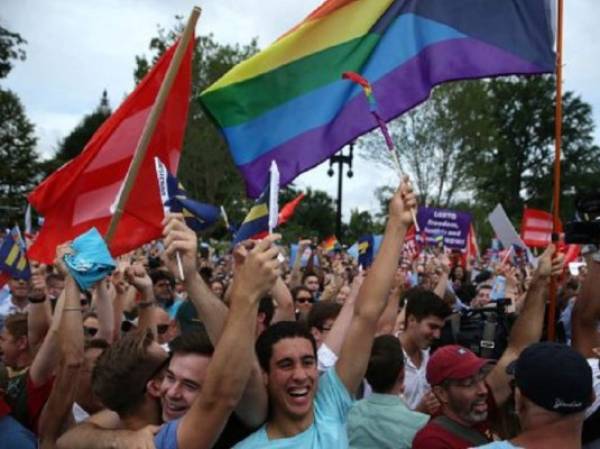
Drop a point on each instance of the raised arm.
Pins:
(528, 326)
(39, 313)
(586, 313)
(296, 275)
(252, 408)
(371, 301)
(336, 336)
(58, 408)
(104, 309)
(138, 277)
(232, 361)
(285, 303)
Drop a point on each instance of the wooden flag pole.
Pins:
(557, 152)
(151, 122)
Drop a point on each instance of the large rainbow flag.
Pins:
(289, 103)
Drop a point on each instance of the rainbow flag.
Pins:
(289, 102)
(330, 244)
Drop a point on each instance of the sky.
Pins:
(76, 49)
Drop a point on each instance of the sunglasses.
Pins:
(126, 326)
(162, 328)
(90, 331)
(303, 300)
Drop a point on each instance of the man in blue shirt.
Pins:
(383, 420)
(308, 412)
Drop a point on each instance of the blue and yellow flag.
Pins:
(365, 250)
(198, 216)
(13, 260)
(256, 223)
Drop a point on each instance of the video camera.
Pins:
(586, 228)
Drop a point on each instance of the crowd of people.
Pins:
(182, 349)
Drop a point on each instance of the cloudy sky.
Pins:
(78, 48)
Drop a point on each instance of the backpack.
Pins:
(483, 331)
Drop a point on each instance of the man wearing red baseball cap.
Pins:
(468, 388)
(456, 376)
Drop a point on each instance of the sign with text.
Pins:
(451, 226)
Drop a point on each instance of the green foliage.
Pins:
(10, 49)
(426, 154)
(314, 216)
(360, 223)
(504, 129)
(18, 159)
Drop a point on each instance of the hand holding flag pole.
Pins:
(368, 90)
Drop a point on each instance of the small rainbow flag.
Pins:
(330, 244)
(289, 102)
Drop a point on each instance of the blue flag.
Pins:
(13, 260)
(365, 250)
(198, 216)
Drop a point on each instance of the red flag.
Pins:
(410, 250)
(472, 246)
(288, 210)
(80, 194)
(536, 228)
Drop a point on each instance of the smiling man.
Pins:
(308, 412)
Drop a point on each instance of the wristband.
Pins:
(145, 305)
(36, 300)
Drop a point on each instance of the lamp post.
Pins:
(341, 159)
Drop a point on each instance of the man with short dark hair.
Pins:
(383, 420)
(553, 387)
(425, 314)
(308, 411)
(164, 291)
(321, 318)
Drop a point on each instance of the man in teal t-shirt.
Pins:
(307, 412)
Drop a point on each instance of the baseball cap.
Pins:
(453, 362)
(554, 376)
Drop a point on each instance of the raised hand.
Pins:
(402, 202)
(59, 261)
(257, 272)
(550, 263)
(179, 238)
(137, 276)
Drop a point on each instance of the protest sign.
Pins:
(453, 226)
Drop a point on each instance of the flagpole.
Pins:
(150, 125)
(557, 152)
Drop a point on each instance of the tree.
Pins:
(206, 168)
(10, 49)
(314, 216)
(504, 129)
(72, 145)
(423, 149)
(361, 223)
(18, 158)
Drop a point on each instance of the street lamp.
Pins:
(341, 159)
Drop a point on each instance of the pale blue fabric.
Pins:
(499, 445)
(328, 430)
(91, 261)
(383, 421)
(166, 438)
